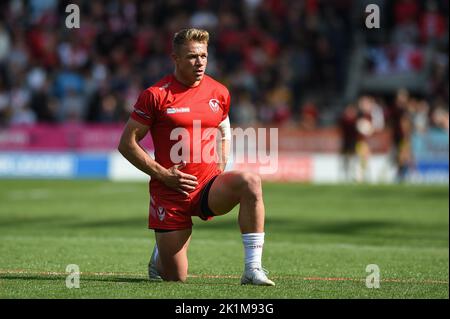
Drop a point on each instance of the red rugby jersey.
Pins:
(183, 121)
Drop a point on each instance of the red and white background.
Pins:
(300, 156)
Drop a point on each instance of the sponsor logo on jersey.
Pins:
(173, 110)
(214, 105)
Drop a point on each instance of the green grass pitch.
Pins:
(319, 240)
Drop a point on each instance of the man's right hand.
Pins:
(179, 181)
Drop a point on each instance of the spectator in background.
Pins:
(377, 114)
(44, 105)
(439, 86)
(402, 132)
(432, 23)
(406, 31)
(365, 129)
(349, 136)
(18, 59)
(420, 117)
(72, 107)
(20, 102)
(279, 98)
(5, 101)
(243, 112)
(109, 111)
(303, 44)
(405, 11)
(5, 43)
(309, 116)
(440, 117)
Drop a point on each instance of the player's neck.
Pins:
(185, 82)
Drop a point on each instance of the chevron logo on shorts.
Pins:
(161, 213)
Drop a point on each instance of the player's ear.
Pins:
(174, 56)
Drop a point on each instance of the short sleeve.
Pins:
(226, 107)
(144, 108)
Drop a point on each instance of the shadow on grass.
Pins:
(312, 226)
(25, 221)
(111, 279)
(362, 229)
(273, 224)
(133, 222)
(68, 222)
(82, 278)
(406, 193)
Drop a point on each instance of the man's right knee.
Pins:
(250, 184)
(175, 277)
(171, 272)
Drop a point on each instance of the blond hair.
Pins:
(185, 35)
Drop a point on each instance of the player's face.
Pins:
(190, 62)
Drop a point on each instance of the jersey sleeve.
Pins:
(226, 106)
(144, 108)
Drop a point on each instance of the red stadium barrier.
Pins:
(67, 137)
(326, 140)
(101, 137)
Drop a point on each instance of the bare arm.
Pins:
(130, 148)
(224, 153)
(225, 137)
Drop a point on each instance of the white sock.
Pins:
(253, 247)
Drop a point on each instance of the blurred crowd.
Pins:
(269, 53)
(410, 30)
(404, 113)
(277, 57)
(410, 27)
